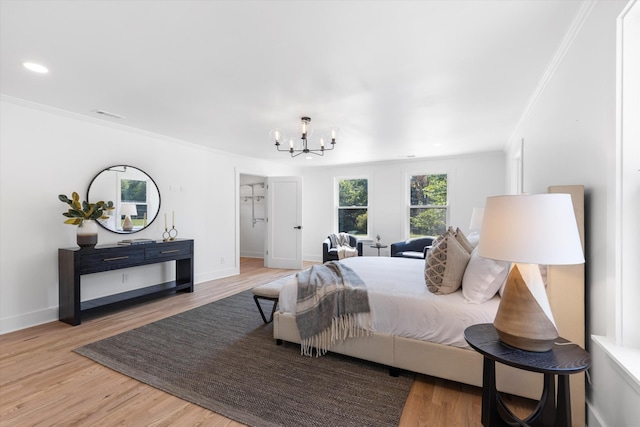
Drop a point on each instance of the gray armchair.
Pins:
(330, 253)
(413, 248)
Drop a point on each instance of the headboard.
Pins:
(566, 291)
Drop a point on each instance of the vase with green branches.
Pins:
(84, 215)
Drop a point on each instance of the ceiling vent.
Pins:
(108, 114)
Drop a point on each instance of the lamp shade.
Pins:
(533, 229)
(128, 209)
(476, 219)
(529, 230)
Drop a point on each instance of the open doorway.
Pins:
(252, 213)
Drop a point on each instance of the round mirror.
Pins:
(134, 194)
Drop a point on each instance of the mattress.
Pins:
(401, 304)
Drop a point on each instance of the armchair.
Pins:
(330, 253)
(412, 248)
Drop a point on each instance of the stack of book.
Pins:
(136, 241)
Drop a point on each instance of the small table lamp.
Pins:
(128, 209)
(529, 230)
(475, 225)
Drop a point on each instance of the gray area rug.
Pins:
(222, 357)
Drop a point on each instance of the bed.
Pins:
(398, 341)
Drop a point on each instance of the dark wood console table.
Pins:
(564, 359)
(75, 262)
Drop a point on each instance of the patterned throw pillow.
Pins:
(445, 265)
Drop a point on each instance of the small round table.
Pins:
(564, 359)
(378, 247)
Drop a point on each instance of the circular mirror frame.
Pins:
(123, 168)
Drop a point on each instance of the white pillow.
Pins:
(483, 277)
(473, 238)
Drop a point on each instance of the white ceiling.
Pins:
(398, 78)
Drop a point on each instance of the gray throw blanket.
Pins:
(331, 300)
(342, 243)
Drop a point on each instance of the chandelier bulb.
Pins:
(306, 132)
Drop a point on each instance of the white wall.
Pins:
(472, 179)
(44, 152)
(570, 136)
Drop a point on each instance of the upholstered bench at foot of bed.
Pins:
(271, 292)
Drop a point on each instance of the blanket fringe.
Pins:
(342, 327)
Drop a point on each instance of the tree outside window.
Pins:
(428, 206)
(353, 206)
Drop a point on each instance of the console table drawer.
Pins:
(110, 261)
(167, 250)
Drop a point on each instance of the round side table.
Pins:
(564, 359)
(378, 247)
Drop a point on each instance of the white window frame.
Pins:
(336, 202)
(409, 206)
(627, 176)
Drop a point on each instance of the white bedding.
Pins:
(401, 304)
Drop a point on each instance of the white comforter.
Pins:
(402, 305)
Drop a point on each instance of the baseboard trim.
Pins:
(39, 317)
(593, 418)
(27, 320)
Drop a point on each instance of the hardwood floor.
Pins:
(43, 383)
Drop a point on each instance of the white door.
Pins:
(284, 222)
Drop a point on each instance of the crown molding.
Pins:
(102, 122)
(583, 13)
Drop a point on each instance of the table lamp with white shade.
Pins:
(128, 209)
(475, 225)
(529, 230)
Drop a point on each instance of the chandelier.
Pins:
(306, 132)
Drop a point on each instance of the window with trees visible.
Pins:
(135, 191)
(428, 205)
(353, 206)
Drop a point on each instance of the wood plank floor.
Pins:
(43, 383)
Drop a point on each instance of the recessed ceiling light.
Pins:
(309, 158)
(35, 67)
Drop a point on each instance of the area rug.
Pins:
(222, 357)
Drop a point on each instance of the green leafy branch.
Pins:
(78, 212)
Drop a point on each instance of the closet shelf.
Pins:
(254, 198)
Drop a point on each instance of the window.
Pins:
(428, 205)
(353, 206)
(627, 208)
(135, 191)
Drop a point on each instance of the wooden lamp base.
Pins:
(524, 319)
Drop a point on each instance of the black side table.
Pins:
(564, 359)
(379, 247)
